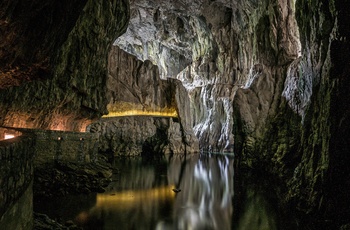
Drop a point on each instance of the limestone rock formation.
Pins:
(305, 131)
(260, 99)
(143, 135)
(215, 47)
(134, 87)
(180, 38)
(57, 55)
(266, 78)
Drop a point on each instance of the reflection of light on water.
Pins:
(226, 177)
(204, 202)
(9, 136)
(127, 208)
(82, 217)
(130, 197)
(208, 200)
(223, 179)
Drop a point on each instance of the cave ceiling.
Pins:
(27, 32)
(174, 34)
(165, 32)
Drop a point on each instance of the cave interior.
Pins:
(265, 80)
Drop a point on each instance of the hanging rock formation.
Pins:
(177, 37)
(214, 48)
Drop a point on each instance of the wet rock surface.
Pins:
(303, 140)
(143, 135)
(68, 178)
(65, 178)
(190, 41)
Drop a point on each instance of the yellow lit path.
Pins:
(141, 113)
(122, 109)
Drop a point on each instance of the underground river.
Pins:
(195, 192)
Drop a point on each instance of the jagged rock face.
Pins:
(259, 100)
(134, 85)
(304, 133)
(215, 46)
(326, 121)
(177, 36)
(285, 108)
(67, 48)
(143, 135)
(244, 66)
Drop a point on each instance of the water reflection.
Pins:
(205, 200)
(256, 213)
(179, 193)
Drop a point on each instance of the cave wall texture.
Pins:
(135, 86)
(266, 79)
(305, 135)
(215, 50)
(56, 53)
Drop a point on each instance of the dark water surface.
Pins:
(142, 196)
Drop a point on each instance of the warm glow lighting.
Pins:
(9, 136)
(141, 113)
(122, 109)
(132, 196)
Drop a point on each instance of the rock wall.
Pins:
(16, 170)
(218, 48)
(301, 136)
(53, 146)
(265, 78)
(325, 131)
(143, 135)
(64, 58)
(275, 92)
(179, 38)
(134, 85)
(135, 88)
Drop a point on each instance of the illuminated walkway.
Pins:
(141, 113)
(122, 109)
